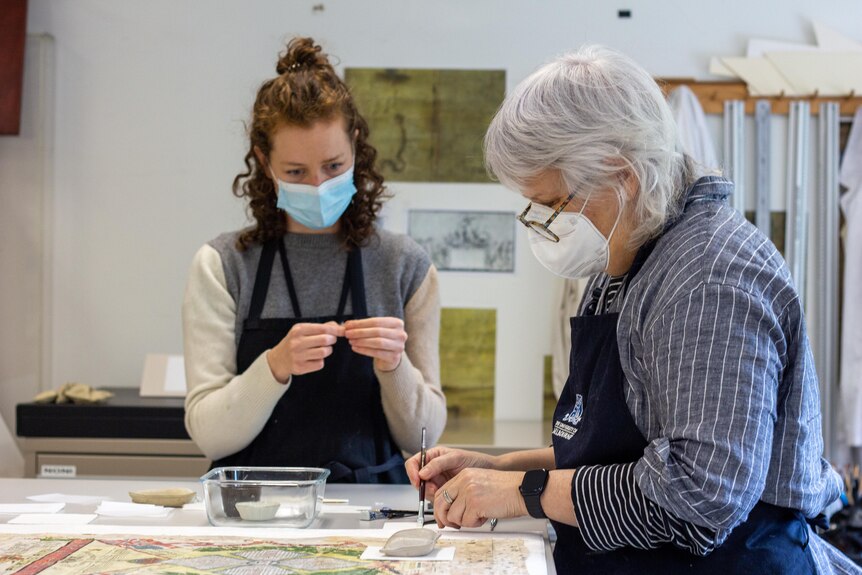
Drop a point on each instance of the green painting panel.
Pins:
(428, 125)
(468, 349)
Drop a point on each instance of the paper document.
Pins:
(63, 498)
(372, 553)
(330, 508)
(16, 508)
(52, 519)
(122, 509)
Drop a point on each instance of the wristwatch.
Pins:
(531, 490)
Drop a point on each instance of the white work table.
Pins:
(393, 496)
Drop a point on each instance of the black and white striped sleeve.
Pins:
(612, 512)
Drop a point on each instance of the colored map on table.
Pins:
(44, 554)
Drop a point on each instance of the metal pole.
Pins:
(826, 336)
(796, 236)
(763, 121)
(734, 150)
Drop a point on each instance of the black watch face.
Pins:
(534, 481)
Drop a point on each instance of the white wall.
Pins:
(150, 101)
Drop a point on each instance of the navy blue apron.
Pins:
(331, 418)
(594, 426)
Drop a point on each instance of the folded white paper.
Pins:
(335, 508)
(52, 519)
(63, 498)
(122, 509)
(439, 554)
(16, 508)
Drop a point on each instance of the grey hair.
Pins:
(596, 116)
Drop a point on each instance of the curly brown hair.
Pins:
(306, 90)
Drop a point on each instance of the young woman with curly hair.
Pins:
(296, 329)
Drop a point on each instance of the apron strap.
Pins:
(261, 281)
(354, 283)
(363, 474)
(345, 288)
(288, 279)
(357, 283)
(818, 521)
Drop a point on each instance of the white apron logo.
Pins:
(574, 416)
(566, 428)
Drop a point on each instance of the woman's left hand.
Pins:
(381, 338)
(478, 495)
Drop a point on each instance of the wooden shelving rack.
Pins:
(712, 96)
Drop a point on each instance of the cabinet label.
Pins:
(58, 471)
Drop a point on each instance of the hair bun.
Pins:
(301, 53)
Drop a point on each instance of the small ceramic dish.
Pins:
(257, 510)
(411, 543)
(173, 497)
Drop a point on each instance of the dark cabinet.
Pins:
(13, 31)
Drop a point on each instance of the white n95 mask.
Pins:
(582, 250)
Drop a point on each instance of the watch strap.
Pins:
(532, 487)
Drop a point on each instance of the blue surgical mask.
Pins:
(317, 207)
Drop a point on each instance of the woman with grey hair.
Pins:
(688, 435)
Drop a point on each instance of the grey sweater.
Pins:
(395, 266)
(399, 282)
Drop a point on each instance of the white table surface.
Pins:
(393, 496)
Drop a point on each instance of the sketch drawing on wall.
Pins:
(466, 240)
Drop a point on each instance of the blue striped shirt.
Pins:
(721, 382)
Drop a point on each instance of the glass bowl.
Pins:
(298, 491)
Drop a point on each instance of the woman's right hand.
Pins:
(442, 464)
(303, 349)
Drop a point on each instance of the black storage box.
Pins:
(126, 415)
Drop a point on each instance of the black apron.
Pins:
(331, 418)
(772, 540)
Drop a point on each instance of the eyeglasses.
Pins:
(542, 228)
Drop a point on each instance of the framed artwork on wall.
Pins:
(466, 240)
(468, 350)
(428, 124)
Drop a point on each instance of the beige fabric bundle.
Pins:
(74, 393)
